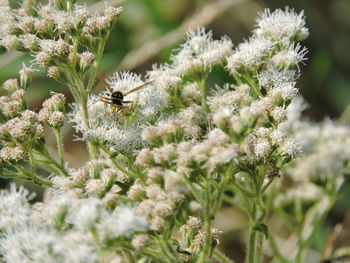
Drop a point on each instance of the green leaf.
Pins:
(262, 228)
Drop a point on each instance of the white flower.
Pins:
(262, 148)
(271, 77)
(200, 52)
(289, 147)
(14, 207)
(105, 128)
(221, 155)
(290, 57)
(83, 213)
(122, 221)
(38, 244)
(249, 55)
(164, 77)
(282, 24)
(12, 154)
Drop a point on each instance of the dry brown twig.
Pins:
(151, 48)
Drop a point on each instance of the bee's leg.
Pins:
(131, 102)
(124, 110)
(103, 99)
(114, 108)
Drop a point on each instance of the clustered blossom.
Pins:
(282, 25)
(324, 147)
(167, 159)
(13, 102)
(52, 111)
(47, 222)
(147, 104)
(20, 133)
(24, 30)
(200, 52)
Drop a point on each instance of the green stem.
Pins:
(165, 252)
(129, 257)
(84, 111)
(253, 85)
(105, 149)
(44, 153)
(221, 257)
(33, 177)
(252, 245)
(93, 74)
(194, 191)
(257, 217)
(243, 190)
(152, 254)
(60, 146)
(202, 84)
(268, 184)
(208, 225)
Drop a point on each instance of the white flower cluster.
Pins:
(11, 104)
(19, 133)
(65, 228)
(325, 148)
(276, 33)
(175, 147)
(200, 52)
(52, 112)
(106, 127)
(44, 32)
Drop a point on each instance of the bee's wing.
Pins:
(103, 79)
(137, 88)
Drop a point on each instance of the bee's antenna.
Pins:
(137, 88)
(103, 79)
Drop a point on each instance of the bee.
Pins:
(116, 98)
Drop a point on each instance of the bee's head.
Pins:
(117, 95)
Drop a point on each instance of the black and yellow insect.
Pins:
(116, 98)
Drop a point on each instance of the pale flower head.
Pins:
(282, 24)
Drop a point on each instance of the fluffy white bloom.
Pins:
(164, 77)
(14, 207)
(271, 77)
(122, 221)
(218, 137)
(325, 148)
(40, 245)
(193, 114)
(200, 52)
(12, 154)
(104, 128)
(284, 91)
(224, 99)
(221, 155)
(262, 148)
(290, 57)
(282, 24)
(249, 54)
(83, 213)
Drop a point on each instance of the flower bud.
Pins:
(56, 119)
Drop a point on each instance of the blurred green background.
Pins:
(149, 29)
